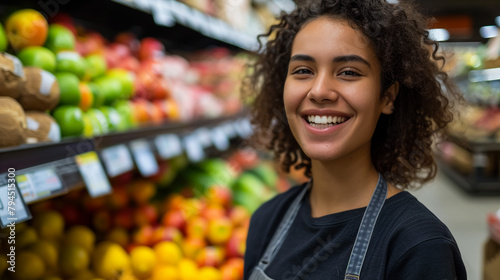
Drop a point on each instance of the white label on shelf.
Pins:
(93, 174)
(204, 137)
(38, 184)
(168, 146)
(144, 157)
(117, 160)
(162, 14)
(12, 207)
(193, 148)
(219, 138)
(229, 130)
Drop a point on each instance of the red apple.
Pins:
(191, 246)
(124, 218)
(64, 20)
(145, 215)
(236, 246)
(72, 216)
(156, 114)
(94, 204)
(213, 211)
(197, 227)
(119, 198)
(129, 63)
(90, 43)
(210, 256)
(220, 195)
(114, 53)
(143, 235)
(150, 48)
(162, 233)
(175, 218)
(130, 40)
(219, 230)
(239, 215)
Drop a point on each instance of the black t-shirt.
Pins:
(408, 242)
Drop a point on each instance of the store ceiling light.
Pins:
(489, 31)
(439, 34)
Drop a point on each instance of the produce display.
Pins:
(92, 85)
(185, 223)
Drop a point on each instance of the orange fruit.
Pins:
(86, 97)
(168, 253)
(25, 28)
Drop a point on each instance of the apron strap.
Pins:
(282, 230)
(365, 230)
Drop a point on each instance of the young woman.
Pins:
(353, 92)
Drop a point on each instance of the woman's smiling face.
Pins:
(332, 91)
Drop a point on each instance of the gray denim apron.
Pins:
(360, 245)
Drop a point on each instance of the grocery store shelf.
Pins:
(473, 184)
(29, 155)
(474, 145)
(168, 13)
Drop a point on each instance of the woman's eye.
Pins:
(349, 73)
(302, 71)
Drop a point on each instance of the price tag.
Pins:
(219, 138)
(117, 160)
(13, 209)
(93, 174)
(144, 157)
(204, 137)
(168, 146)
(162, 14)
(39, 184)
(193, 148)
(229, 130)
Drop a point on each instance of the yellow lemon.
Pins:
(49, 225)
(167, 253)
(109, 260)
(209, 273)
(188, 270)
(81, 236)
(27, 237)
(28, 266)
(167, 272)
(118, 235)
(47, 251)
(74, 260)
(143, 261)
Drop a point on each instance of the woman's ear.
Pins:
(389, 97)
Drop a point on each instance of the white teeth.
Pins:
(326, 119)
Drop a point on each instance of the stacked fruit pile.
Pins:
(185, 230)
(93, 86)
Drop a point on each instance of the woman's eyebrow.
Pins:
(351, 58)
(302, 57)
(343, 58)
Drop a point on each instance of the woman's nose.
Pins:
(323, 89)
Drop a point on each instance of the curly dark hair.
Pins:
(401, 147)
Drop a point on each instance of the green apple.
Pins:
(71, 62)
(70, 119)
(38, 57)
(125, 110)
(111, 89)
(127, 79)
(98, 121)
(95, 66)
(115, 120)
(69, 88)
(60, 38)
(98, 95)
(3, 39)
